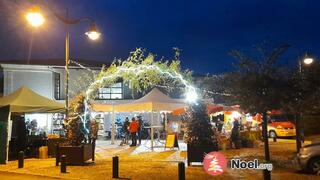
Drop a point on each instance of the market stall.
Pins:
(222, 118)
(23, 100)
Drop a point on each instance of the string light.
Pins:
(191, 96)
(168, 87)
(81, 66)
(139, 70)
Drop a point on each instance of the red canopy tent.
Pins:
(211, 108)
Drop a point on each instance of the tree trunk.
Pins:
(265, 136)
(266, 173)
(298, 137)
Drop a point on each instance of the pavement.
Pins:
(142, 163)
(22, 176)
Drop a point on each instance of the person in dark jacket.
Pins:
(219, 125)
(235, 134)
(125, 130)
(140, 129)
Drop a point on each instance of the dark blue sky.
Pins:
(205, 31)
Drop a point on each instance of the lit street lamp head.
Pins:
(308, 60)
(93, 34)
(34, 17)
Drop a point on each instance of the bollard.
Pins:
(93, 148)
(266, 174)
(57, 155)
(20, 159)
(115, 167)
(181, 169)
(63, 164)
(274, 139)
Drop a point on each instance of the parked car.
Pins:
(281, 125)
(308, 158)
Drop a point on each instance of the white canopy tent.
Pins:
(154, 101)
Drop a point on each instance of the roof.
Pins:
(26, 100)
(156, 96)
(55, 62)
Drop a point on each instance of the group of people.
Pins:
(132, 129)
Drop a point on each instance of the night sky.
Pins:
(205, 31)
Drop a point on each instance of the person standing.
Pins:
(125, 130)
(140, 129)
(133, 128)
(235, 134)
(219, 125)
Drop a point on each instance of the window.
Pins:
(112, 92)
(56, 77)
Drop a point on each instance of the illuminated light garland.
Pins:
(190, 90)
(81, 66)
(190, 94)
(203, 90)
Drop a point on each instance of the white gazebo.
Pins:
(153, 102)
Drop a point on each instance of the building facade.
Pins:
(49, 80)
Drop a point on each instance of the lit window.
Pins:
(112, 92)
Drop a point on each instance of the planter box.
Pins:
(197, 153)
(76, 155)
(52, 145)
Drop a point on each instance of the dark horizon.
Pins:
(204, 31)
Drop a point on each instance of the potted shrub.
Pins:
(80, 134)
(244, 138)
(199, 134)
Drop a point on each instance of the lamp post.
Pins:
(36, 19)
(299, 130)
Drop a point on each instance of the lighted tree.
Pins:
(77, 131)
(199, 130)
(139, 71)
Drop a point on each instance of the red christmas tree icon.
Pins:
(215, 166)
(214, 163)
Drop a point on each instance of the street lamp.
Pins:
(307, 60)
(36, 19)
(93, 34)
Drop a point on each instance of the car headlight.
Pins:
(303, 151)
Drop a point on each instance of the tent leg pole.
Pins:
(152, 133)
(158, 120)
(165, 122)
(113, 128)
